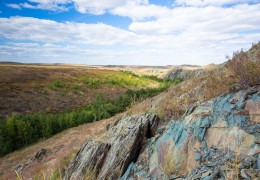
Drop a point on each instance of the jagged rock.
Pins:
(205, 174)
(234, 88)
(19, 168)
(197, 157)
(220, 123)
(185, 73)
(208, 139)
(110, 155)
(161, 130)
(244, 174)
(39, 154)
(90, 158)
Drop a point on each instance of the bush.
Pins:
(91, 83)
(57, 83)
(246, 71)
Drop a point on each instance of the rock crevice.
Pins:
(110, 155)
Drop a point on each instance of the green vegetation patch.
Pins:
(95, 80)
(56, 84)
(21, 130)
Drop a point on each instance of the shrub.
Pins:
(57, 83)
(246, 71)
(91, 83)
(170, 159)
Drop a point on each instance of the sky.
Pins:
(126, 32)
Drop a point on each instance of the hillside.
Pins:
(31, 88)
(206, 128)
(175, 134)
(59, 149)
(212, 141)
(89, 95)
(186, 72)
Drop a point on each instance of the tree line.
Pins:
(18, 131)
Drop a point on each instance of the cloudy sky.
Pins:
(141, 32)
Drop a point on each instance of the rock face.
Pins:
(109, 156)
(184, 74)
(207, 137)
(221, 163)
(209, 140)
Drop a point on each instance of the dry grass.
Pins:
(233, 172)
(60, 149)
(29, 89)
(219, 79)
(90, 175)
(56, 171)
(233, 166)
(173, 161)
(245, 70)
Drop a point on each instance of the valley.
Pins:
(130, 90)
(148, 113)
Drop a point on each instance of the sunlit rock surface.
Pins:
(109, 156)
(199, 145)
(230, 123)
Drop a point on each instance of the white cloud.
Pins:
(14, 6)
(104, 44)
(51, 7)
(96, 7)
(26, 28)
(195, 34)
(83, 6)
(141, 12)
(49, 53)
(238, 19)
(212, 2)
(136, 9)
(103, 6)
(50, 1)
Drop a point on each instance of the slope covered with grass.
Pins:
(240, 72)
(20, 130)
(53, 89)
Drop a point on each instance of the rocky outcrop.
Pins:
(231, 122)
(209, 140)
(222, 163)
(184, 74)
(108, 156)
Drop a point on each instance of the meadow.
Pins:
(21, 129)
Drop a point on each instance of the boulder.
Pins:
(108, 156)
(39, 154)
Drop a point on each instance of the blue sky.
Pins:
(129, 32)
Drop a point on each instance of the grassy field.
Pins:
(39, 101)
(52, 89)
